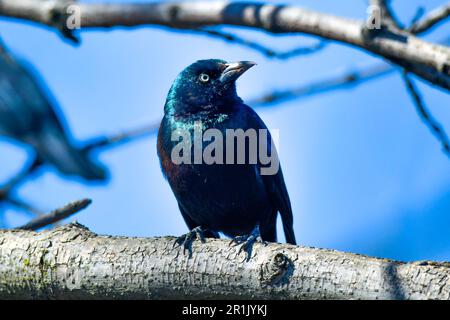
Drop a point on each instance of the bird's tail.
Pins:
(69, 160)
(288, 230)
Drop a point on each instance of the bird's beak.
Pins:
(234, 70)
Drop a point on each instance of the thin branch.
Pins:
(387, 14)
(417, 16)
(22, 205)
(425, 115)
(431, 19)
(271, 53)
(18, 179)
(94, 144)
(56, 215)
(428, 60)
(14, 182)
(340, 81)
(120, 138)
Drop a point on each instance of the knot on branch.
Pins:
(277, 271)
(73, 231)
(385, 31)
(58, 16)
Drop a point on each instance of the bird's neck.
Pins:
(211, 109)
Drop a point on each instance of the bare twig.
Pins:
(425, 115)
(431, 19)
(428, 60)
(56, 215)
(387, 14)
(28, 170)
(22, 205)
(120, 138)
(417, 16)
(6, 189)
(94, 144)
(271, 53)
(336, 82)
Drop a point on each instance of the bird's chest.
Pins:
(196, 163)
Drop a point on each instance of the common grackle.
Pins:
(233, 198)
(28, 115)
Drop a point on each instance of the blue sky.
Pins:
(363, 172)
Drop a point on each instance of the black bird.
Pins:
(235, 199)
(29, 115)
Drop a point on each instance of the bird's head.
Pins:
(206, 84)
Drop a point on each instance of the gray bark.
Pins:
(72, 262)
(428, 60)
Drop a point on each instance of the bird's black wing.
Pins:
(277, 190)
(275, 185)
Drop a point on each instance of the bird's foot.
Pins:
(187, 239)
(247, 242)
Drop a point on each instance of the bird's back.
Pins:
(29, 115)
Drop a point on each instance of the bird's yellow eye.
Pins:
(204, 77)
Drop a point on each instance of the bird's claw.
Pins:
(187, 239)
(247, 242)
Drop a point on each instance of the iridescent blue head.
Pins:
(206, 85)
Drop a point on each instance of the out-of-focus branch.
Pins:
(115, 140)
(271, 53)
(431, 19)
(340, 81)
(95, 144)
(56, 215)
(417, 16)
(21, 204)
(27, 171)
(426, 116)
(428, 60)
(6, 190)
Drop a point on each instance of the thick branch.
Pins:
(72, 262)
(430, 59)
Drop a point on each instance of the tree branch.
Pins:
(19, 178)
(56, 215)
(429, 61)
(336, 82)
(99, 143)
(21, 204)
(6, 190)
(434, 126)
(115, 140)
(268, 52)
(431, 19)
(72, 262)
